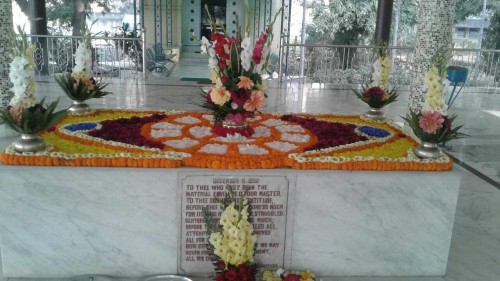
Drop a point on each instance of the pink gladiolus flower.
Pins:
(430, 122)
(256, 101)
(245, 83)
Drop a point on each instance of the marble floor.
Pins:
(475, 246)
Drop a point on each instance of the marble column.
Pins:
(435, 22)
(5, 50)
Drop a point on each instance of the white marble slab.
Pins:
(374, 223)
(62, 222)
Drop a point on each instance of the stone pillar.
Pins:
(5, 50)
(435, 23)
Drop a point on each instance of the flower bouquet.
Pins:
(236, 65)
(377, 94)
(232, 239)
(24, 114)
(79, 85)
(432, 124)
(288, 275)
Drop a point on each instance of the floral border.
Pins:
(354, 156)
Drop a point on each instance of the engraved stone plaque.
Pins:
(268, 196)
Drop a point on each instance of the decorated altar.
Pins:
(115, 217)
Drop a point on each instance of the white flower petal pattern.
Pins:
(184, 143)
(166, 125)
(261, 132)
(188, 120)
(214, 148)
(281, 146)
(251, 149)
(166, 133)
(200, 132)
(290, 128)
(295, 137)
(273, 122)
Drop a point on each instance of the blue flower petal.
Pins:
(86, 126)
(374, 132)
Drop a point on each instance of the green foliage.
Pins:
(444, 134)
(35, 118)
(341, 22)
(81, 92)
(19, 44)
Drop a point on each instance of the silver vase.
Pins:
(79, 107)
(29, 143)
(375, 114)
(428, 150)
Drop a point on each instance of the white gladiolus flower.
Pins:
(20, 74)
(246, 53)
(213, 64)
(205, 45)
(83, 58)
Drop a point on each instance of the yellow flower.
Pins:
(219, 95)
(307, 275)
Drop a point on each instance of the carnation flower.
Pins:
(245, 83)
(430, 122)
(220, 95)
(256, 101)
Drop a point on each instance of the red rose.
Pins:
(242, 268)
(220, 265)
(292, 277)
(231, 274)
(219, 277)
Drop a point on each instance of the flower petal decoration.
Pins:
(121, 138)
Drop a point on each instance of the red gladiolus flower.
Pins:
(257, 54)
(222, 64)
(233, 40)
(292, 277)
(231, 274)
(224, 79)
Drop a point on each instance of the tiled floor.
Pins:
(475, 247)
